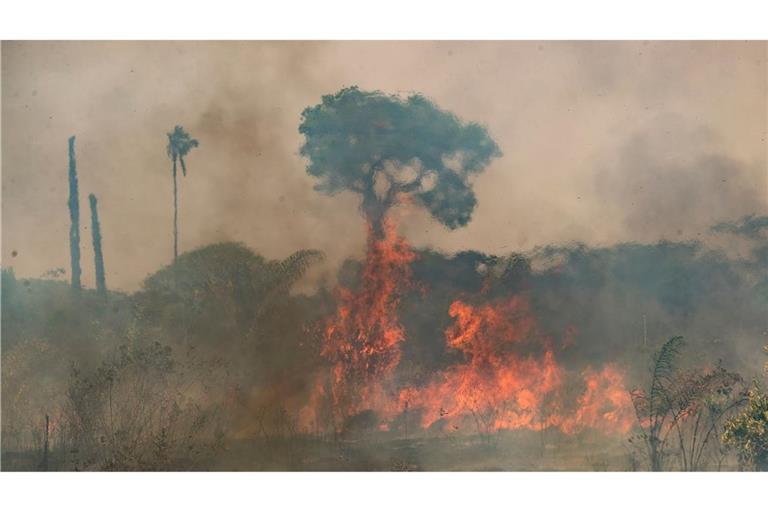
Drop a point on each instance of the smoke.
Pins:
(642, 163)
(558, 110)
(669, 183)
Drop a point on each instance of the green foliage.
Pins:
(356, 140)
(748, 432)
(179, 145)
(221, 291)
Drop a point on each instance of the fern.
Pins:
(663, 371)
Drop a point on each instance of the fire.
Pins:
(362, 339)
(605, 405)
(497, 386)
(508, 378)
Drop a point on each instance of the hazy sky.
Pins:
(603, 142)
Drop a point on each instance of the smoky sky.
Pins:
(603, 142)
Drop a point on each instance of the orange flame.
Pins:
(509, 377)
(499, 386)
(362, 339)
(605, 405)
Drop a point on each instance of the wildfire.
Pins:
(508, 378)
(496, 386)
(605, 405)
(362, 339)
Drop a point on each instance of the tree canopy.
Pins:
(384, 146)
(179, 144)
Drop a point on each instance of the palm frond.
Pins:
(292, 268)
(285, 275)
(179, 145)
(663, 370)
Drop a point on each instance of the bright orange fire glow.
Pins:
(605, 405)
(508, 377)
(496, 387)
(362, 340)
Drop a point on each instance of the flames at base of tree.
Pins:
(509, 377)
(362, 340)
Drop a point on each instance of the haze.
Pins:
(603, 142)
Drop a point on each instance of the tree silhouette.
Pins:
(98, 255)
(74, 216)
(179, 144)
(384, 147)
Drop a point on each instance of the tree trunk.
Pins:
(98, 256)
(175, 215)
(375, 213)
(375, 210)
(74, 217)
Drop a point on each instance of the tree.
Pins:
(224, 297)
(179, 145)
(74, 216)
(748, 432)
(384, 147)
(98, 256)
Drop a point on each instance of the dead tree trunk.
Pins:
(74, 217)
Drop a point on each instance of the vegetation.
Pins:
(682, 411)
(748, 431)
(98, 256)
(179, 145)
(155, 379)
(215, 352)
(74, 217)
(384, 147)
(136, 412)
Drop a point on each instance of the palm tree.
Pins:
(179, 144)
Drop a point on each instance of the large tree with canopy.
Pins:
(385, 147)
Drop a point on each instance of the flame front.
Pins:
(509, 377)
(496, 387)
